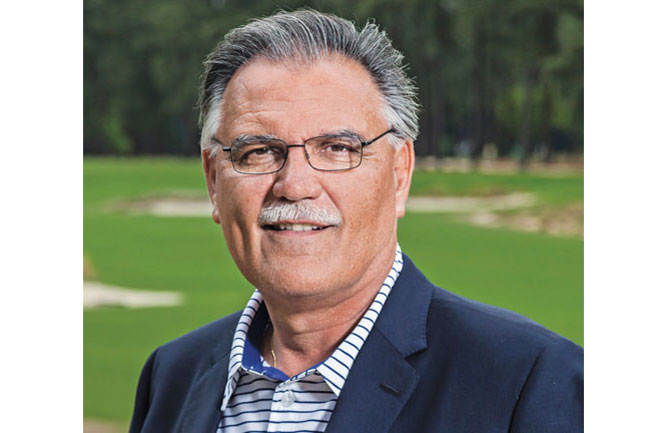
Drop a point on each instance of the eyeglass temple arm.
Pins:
(225, 148)
(366, 143)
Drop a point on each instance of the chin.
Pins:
(293, 284)
(298, 285)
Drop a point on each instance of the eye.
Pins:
(257, 153)
(260, 151)
(337, 148)
(340, 146)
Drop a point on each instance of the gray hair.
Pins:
(308, 35)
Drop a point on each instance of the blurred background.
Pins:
(501, 77)
(496, 208)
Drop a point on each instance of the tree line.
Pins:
(505, 75)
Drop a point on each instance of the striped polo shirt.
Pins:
(260, 398)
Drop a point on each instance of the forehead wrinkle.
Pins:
(252, 121)
(284, 103)
(243, 103)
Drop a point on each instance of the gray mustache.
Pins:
(276, 212)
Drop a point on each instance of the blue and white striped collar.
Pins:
(334, 369)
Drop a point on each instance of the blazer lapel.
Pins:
(378, 386)
(382, 380)
(202, 408)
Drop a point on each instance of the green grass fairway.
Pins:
(536, 275)
(551, 190)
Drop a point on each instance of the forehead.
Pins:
(297, 101)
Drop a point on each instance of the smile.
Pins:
(294, 227)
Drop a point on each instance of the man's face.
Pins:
(294, 102)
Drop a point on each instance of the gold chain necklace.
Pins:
(275, 362)
(270, 338)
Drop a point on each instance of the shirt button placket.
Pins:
(283, 398)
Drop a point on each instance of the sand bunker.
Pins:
(565, 221)
(99, 426)
(471, 204)
(101, 295)
(179, 205)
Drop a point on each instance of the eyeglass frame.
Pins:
(288, 146)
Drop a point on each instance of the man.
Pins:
(307, 145)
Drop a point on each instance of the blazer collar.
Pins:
(403, 318)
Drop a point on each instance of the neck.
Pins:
(306, 331)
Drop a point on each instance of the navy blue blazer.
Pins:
(433, 362)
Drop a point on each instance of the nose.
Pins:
(297, 180)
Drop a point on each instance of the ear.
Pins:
(210, 171)
(404, 164)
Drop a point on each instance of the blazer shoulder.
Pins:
(492, 329)
(174, 370)
(203, 345)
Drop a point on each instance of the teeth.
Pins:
(298, 227)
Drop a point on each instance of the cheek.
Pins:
(373, 211)
(239, 207)
(239, 203)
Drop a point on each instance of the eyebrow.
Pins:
(246, 139)
(347, 133)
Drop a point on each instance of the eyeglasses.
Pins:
(265, 154)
